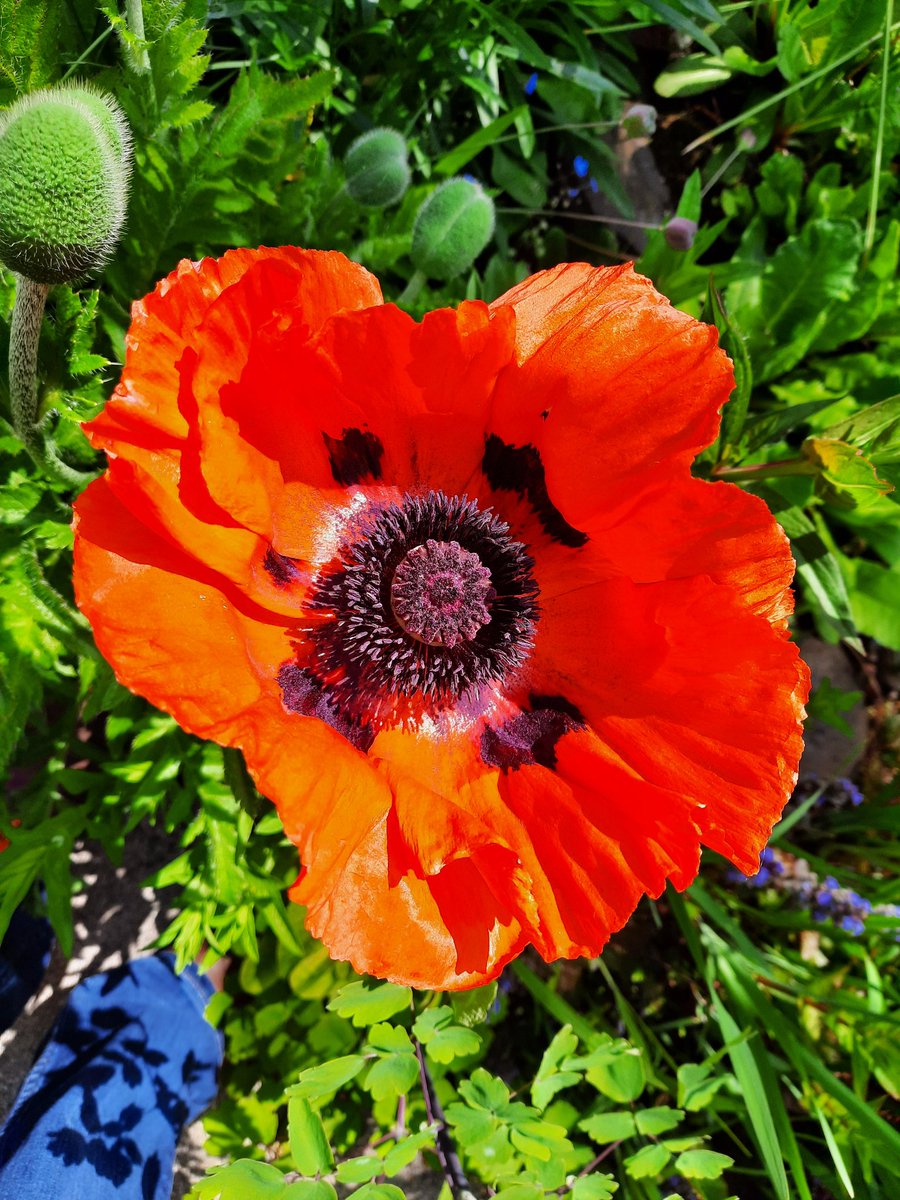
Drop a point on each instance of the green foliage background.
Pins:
(728, 1045)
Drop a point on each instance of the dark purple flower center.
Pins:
(427, 602)
(440, 593)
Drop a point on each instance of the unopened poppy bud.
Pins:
(639, 121)
(65, 159)
(680, 232)
(452, 227)
(377, 169)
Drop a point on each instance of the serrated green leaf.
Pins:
(846, 479)
(654, 1121)
(403, 1153)
(327, 1078)
(697, 1086)
(608, 1127)
(549, 1078)
(649, 1161)
(442, 1038)
(594, 1187)
(366, 1003)
(470, 1008)
(702, 1164)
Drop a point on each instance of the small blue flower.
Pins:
(767, 856)
(470, 179)
(581, 166)
(595, 186)
(531, 84)
(830, 882)
(573, 192)
(823, 898)
(852, 925)
(819, 914)
(761, 878)
(854, 795)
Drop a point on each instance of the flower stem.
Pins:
(787, 466)
(24, 338)
(412, 289)
(137, 57)
(446, 1151)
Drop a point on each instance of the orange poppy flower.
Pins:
(499, 661)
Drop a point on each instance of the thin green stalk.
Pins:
(744, 117)
(83, 57)
(787, 466)
(879, 137)
(570, 216)
(412, 289)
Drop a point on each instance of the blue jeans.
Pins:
(130, 1061)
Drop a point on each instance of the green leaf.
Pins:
(846, 478)
(359, 1170)
(540, 1139)
(702, 1164)
(244, 1179)
(454, 160)
(327, 1078)
(472, 1007)
(747, 1071)
(379, 1191)
(804, 279)
(828, 704)
(873, 599)
(654, 1121)
(549, 1079)
(443, 1039)
(309, 1144)
(616, 1070)
(484, 1091)
(594, 1187)
(366, 1002)
(733, 343)
(649, 1160)
(691, 75)
(697, 1086)
(397, 1068)
(824, 584)
(608, 1127)
(403, 1153)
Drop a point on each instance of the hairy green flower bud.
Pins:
(376, 168)
(452, 227)
(65, 159)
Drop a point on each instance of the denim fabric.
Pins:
(24, 955)
(129, 1063)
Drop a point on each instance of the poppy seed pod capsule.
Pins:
(680, 233)
(65, 159)
(452, 227)
(376, 168)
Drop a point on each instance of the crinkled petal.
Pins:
(613, 386)
(692, 693)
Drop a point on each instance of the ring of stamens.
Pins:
(428, 601)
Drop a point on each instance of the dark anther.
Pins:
(519, 469)
(530, 737)
(301, 693)
(354, 456)
(284, 571)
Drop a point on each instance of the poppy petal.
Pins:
(172, 630)
(716, 717)
(612, 386)
(372, 397)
